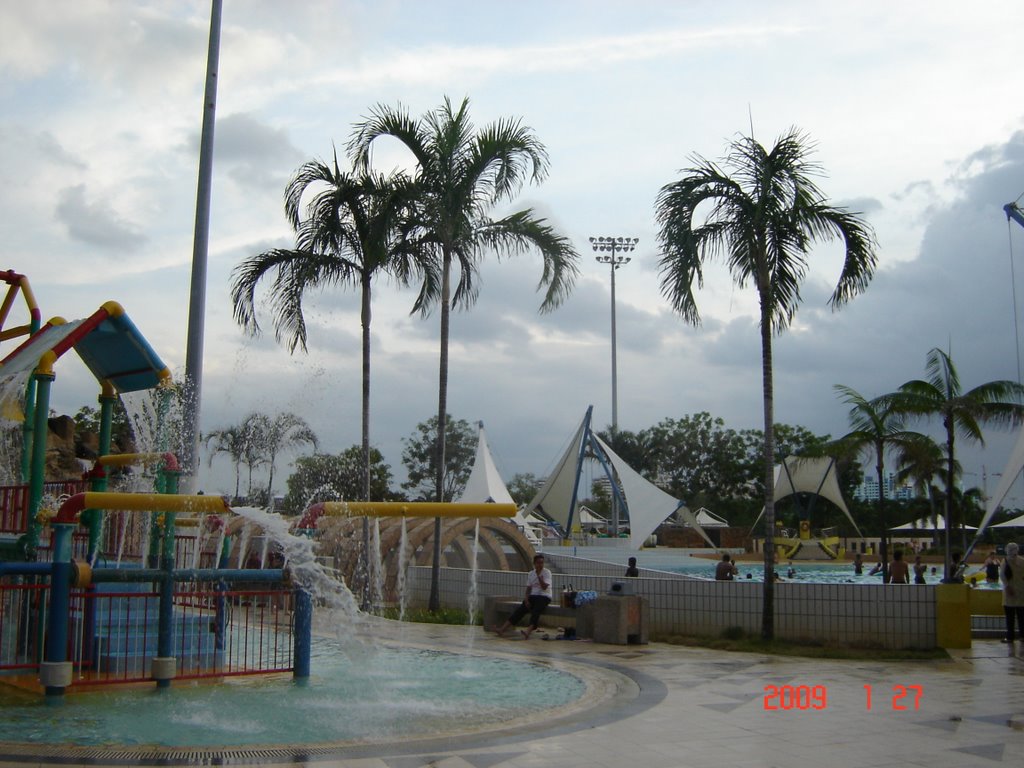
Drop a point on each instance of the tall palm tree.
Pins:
(996, 403)
(229, 440)
(462, 173)
(285, 431)
(353, 231)
(765, 215)
(877, 426)
(921, 463)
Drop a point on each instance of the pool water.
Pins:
(803, 571)
(354, 694)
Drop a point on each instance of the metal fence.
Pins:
(113, 635)
(14, 502)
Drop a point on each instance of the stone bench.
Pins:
(497, 609)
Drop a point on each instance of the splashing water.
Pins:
(300, 559)
(402, 564)
(377, 561)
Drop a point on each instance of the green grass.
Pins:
(735, 639)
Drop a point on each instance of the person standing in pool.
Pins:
(725, 570)
(631, 570)
(898, 571)
(538, 595)
(858, 565)
(919, 571)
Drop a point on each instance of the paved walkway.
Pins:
(672, 707)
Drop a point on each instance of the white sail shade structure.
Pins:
(486, 486)
(646, 505)
(797, 474)
(926, 524)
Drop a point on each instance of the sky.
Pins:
(911, 107)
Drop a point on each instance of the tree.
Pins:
(353, 231)
(996, 403)
(462, 173)
(285, 431)
(325, 477)
(876, 427)
(762, 222)
(232, 441)
(419, 457)
(523, 487)
(920, 463)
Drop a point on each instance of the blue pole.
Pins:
(60, 600)
(165, 629)
(303, 633)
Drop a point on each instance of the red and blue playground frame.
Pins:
(43, 600)
(55, 621)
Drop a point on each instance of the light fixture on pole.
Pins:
(610, 250)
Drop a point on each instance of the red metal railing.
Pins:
(113, 635)
(23, 604)
(14, 502)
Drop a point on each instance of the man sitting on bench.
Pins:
(538, 595)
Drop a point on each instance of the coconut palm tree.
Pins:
(996, 403)
(921, 463)
(229, 440)
(462, 173)
(765, 214)
(352, 232)
(876, 427)
(285, 431)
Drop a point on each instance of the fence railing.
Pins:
(14, 502)
(113, 635)
(23, 603)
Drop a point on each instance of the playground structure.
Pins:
(98, 587)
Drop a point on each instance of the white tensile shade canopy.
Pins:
(646, 505)
(486, 486)
(797, 474)
(1016, 522)
(926, 524)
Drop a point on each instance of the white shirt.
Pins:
(533, 583)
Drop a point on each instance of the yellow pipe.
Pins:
(415, 509)
(146, 502)
(127, 459)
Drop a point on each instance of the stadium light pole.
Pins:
(610, 251)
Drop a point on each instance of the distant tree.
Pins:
(419, 457)
(523, 487)
(229, 440)
(87, 420)
(920, 464)
(284, 432)
(698, 459)
(876, 427)
(326, 477)
(995, 403)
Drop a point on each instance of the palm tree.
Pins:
(996, 403)
(285, 431)
(763, 220)
(462, 173)
(876, 427)
(353, 231)
(920, 463)
(229, 440)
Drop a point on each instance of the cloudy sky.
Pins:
(913, 107)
